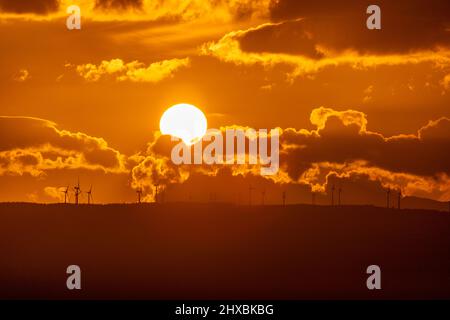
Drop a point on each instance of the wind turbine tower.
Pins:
(156, 192)
(139, 193)
(89, 194)
(339, 196)
(332, 195)
(66, 191)
(77, 191)
(388, 194)
(250, 189)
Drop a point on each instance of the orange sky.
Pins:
(366, 109)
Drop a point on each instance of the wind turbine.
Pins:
(139, 193)
(89, 194)
(77, 191)
(156, 193)
(65, 191)
(332, 195)
(250, 188)
(388, 194)
(339, 196)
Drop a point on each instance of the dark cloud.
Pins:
(39, 146)
(289, 37)
(29, 6)
(340, 25)
(423, 154)
(119, 4)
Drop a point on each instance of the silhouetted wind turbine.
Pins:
(332, 195)
(77, 191)
(388, 194)
(66, 191)
(250, 189)
(89, 194)
(139, 193)
(156, 192)
(339, 196)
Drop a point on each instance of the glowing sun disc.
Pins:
(184, 121)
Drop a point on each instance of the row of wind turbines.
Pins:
(284, 195)
(333, 201)
(77, 192)
(159, 197)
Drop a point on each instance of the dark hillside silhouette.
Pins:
(221, 251)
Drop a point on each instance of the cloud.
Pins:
(35, 6)
(40, 146)
(143, 10)
(155, 172)
(446, 82)
(339, 146)
(22, 76)
(405, 25)
(222, 10)
(294, 44)
(54, 193)
(119, 4)
(134, 71)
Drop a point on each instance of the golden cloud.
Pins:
(229, 49)
(134, 71)
(148, 10)
(22, 76)
(40, 146)
(340, 146)
(54, 193)
(446, 82)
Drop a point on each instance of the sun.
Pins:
(184, 121)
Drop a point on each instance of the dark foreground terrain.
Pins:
(219, 251)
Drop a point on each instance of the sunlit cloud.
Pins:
(40, 146)
(446, 82)
(134, 71)
(340, 145)
(229, 49)
(22, 75)
(144, 10)
(54, 193)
